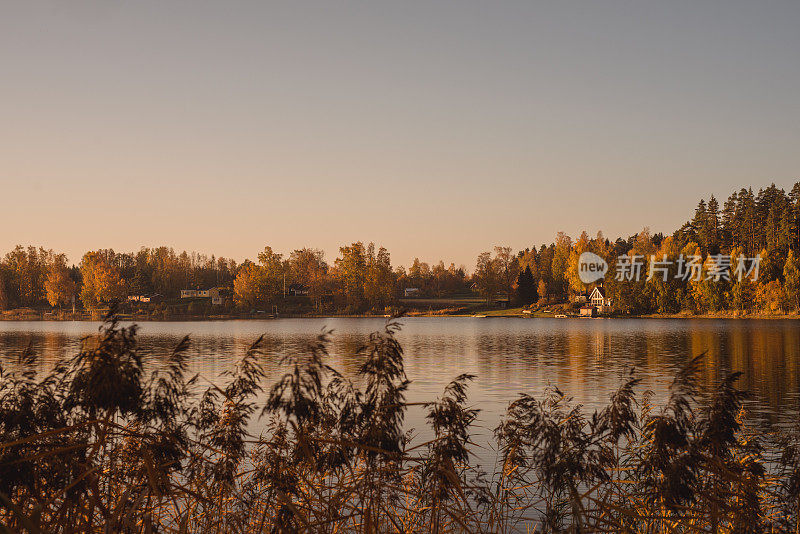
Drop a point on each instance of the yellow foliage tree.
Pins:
(572, 275)
(59, 286)
(102, 281)
(248, 285)
(770, 297)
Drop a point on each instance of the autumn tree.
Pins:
(544, 266)
(102, 282)
(770, 296)
(273, 272)
(3, 294)
(168, 278)
(602, 247)
(439, 279)
(350, 274)
(59, 285)
(495, 274)
(419, 275)
(631, 293)
(791, 284)
(664, 288)
(541, 290)
(248, 286)
(560, 264)
(572, 275)
(27, 270)
(379, 278)
(507, 268)
(709, 291)
(487, 277)
(307, 266)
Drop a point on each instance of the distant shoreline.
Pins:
(491, 314)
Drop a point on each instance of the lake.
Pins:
(585, 358)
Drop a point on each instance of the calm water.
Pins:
(585, 358)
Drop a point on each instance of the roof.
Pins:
(599, 289)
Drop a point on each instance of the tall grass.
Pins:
(97, 444)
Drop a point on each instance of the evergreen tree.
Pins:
(712, 225)
(746, 217)
(794, 219)
(728, 223)
(526, 287)
(700, 224)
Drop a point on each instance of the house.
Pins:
(588, 311)
(297, 290)
(502, 300)
(212, 293)
(598, 299)
(145, 298)
(581, 298)
(411, 292)
(215, 294)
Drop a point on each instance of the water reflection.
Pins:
(585, 358)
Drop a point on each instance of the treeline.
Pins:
(765, 225)
(362, 278)
(33, 277)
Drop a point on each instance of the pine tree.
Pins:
(526, 287)
(700, 223)
(712, 225)
(794, 203)
(729, 228)
(785, 233)
(746, 217)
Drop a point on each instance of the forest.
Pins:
(362, 279)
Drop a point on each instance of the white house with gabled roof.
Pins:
(598, 299)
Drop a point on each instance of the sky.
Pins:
(435, 129)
